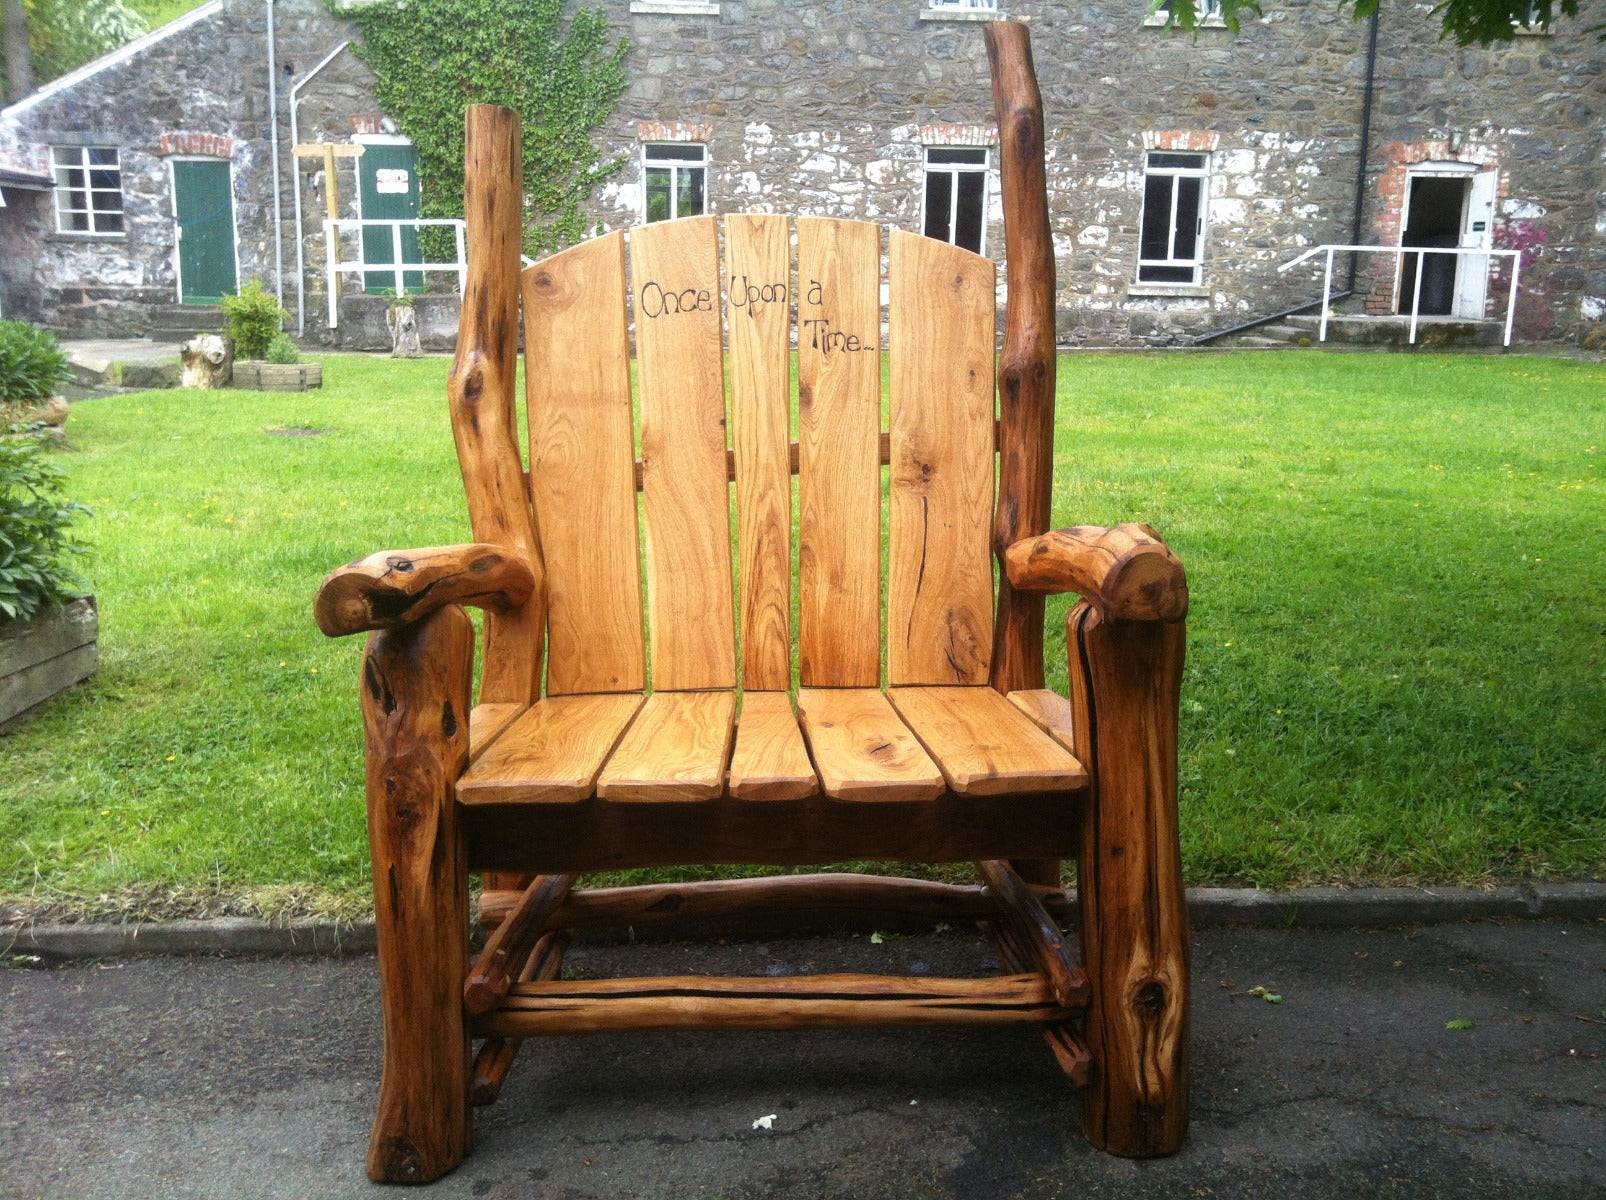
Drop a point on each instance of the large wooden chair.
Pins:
(613, 733)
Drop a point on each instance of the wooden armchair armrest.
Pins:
(1128, 572)
(396, 587)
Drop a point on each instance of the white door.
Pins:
(1477, 233)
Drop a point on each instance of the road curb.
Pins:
(1303, 908)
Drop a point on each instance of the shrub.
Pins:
(253, 319)
(32, 365)
(36, 550)
(282, 349)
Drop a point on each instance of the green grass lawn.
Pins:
(1395, 664)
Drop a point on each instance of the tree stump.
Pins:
(403, 322)
(208, 362)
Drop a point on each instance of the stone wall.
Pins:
(825, 106)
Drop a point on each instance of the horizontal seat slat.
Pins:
(771, 761)
(861, 747)
(676, 749)
(983, 743)
(552, 753)
(1050, 712)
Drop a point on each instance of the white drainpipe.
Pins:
(295, 140)
(273, 139)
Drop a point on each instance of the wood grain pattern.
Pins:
(797, 1002)
(674, 275)
(395, 587)
(676, 749)
(487, 722)
(839, 411)
(770, 762)
(577, 375)
(1050, 712)
(513, 941)
(861, 748)
(496, 1055)
(1126, 684)
(1037, 932)
(1128, 571)
(553, 753)
(1064, 1041)
(758, 317)
(480, 389)
(984, 745)
(1027, 363)
(940, 587)
(415, 695)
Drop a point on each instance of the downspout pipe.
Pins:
(273, 140)
(1365, 150)
(295, 140)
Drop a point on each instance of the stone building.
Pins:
(1183, 170)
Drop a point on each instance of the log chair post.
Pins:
(484, 412)
(1026, 368)
(415, 698)
(1126, 679)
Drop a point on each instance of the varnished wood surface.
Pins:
(1128, 571)
(1064, 1041)
(1050, 712)
(577, 378)
(553, 753)
(676, 749)
(765, 1002)
(1038, 933)
(496, 1055)
(770, 761)
(674, 277)
(983, 744)
(513, 942)
(862, 749)
(415, 702)
(481, 392)
(487, 722)
(1027, 363)
(940, 584)
(395, 587)
(758, 274)
(1126, 679)
(657, 903)
(839, 410)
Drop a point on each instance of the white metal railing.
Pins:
(1416, 293)
(334, 265)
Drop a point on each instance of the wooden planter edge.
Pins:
(45, 655)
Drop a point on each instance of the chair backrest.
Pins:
(715, 405)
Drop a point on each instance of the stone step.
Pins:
(180, 322)
(1251, 342)
(1294, 335)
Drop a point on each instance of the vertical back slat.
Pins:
(674, 275)
(758, 320)
(839, 381)
(582, 463)
(940, 590)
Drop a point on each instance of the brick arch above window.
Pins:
(673, 131)
(1198, 140)
(210, 145)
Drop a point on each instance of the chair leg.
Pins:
(1126, 679)
(415, 703)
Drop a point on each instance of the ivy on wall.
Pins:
(433, 58)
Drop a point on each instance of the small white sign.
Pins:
(391, 181)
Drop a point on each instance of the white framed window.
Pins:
(1207, 14)
(1172, 232)
(674, 177)
(89, 189)
(955, 207)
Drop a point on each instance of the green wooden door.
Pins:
(388, 182)
(203, 204)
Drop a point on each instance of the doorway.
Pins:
(1448, 205)
(387, 189)
(203, 225)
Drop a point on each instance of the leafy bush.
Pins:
(282, 349)
(36, 550)
(32, 365)
(254, 317)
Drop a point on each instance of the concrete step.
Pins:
(1251, 342)
(1294, 335)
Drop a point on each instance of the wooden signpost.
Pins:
(329, 152)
